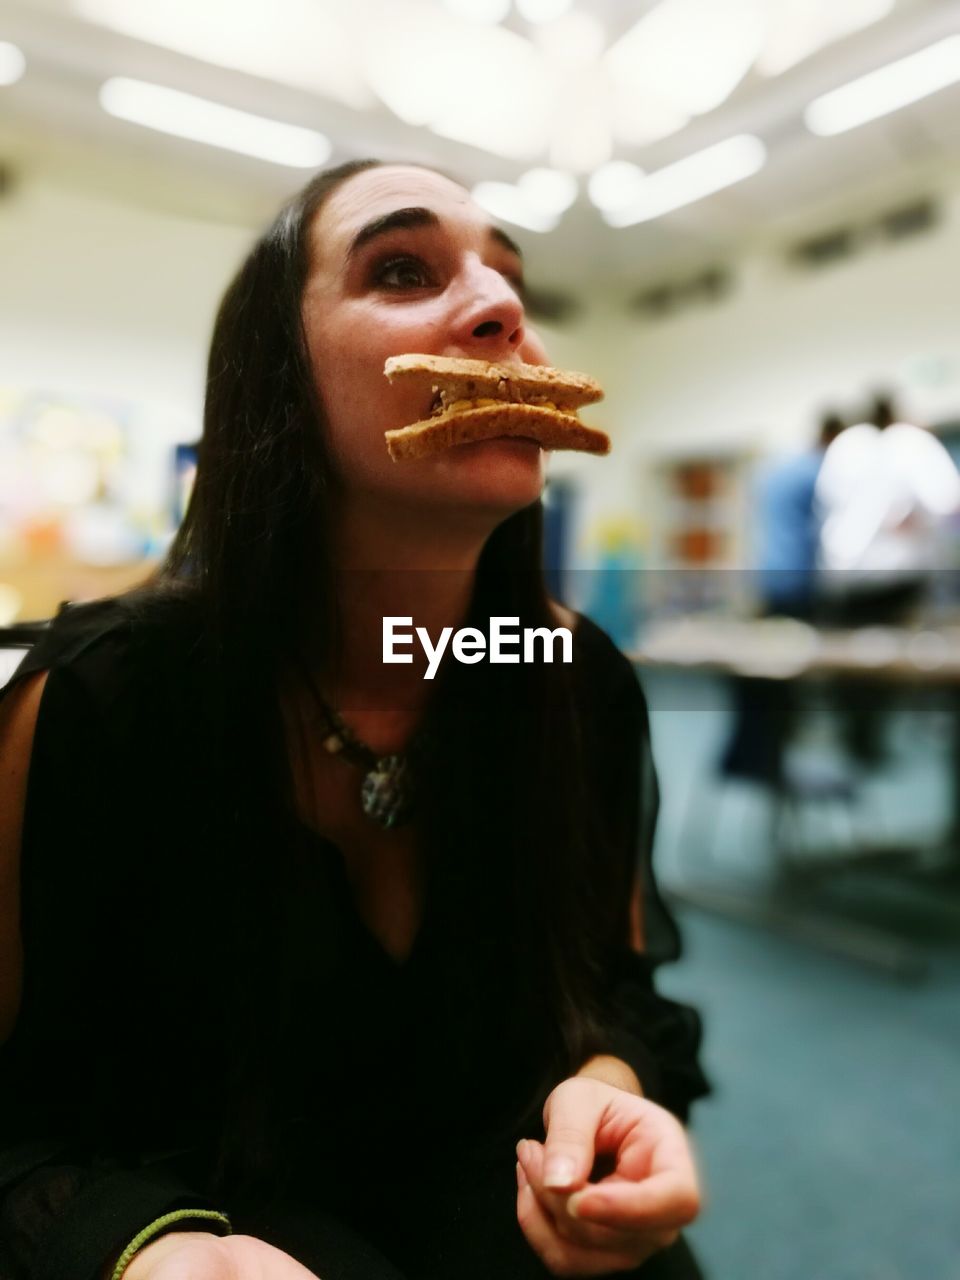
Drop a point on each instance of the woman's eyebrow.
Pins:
(502, 238)
(407, 219)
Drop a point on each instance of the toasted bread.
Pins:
(464, 379)
(548, 427)
(478, 400)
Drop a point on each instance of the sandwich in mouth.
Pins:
(468, 400)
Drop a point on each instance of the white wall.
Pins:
(110, 299)
(757, 368)
(112, 303)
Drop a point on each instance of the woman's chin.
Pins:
(507, 471)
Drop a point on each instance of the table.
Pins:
(780, 650)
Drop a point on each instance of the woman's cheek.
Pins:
(532, 349)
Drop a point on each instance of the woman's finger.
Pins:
(566, 1257)
(639, 1207)
(664, 1201)
(572, 1115)
(666, 1195)
(556, 1205)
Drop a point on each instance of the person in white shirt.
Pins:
(884, 492)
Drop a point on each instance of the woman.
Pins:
(235, 993)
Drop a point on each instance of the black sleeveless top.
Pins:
(135, 1082)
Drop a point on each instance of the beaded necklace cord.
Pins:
(387, 788)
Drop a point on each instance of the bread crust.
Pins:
(463, 379)
(550, 428)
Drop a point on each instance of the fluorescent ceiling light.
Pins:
(692, 179)
(12, 63)
(615, 185)
(550, 191)
(510, 204)
(688, 54)
(537, 202)
(482, 85)
(310, 44)
(543, 10)
(639, 119)
(479, 10)
(887, 89)
(571, 49)
(800, 28)
(185, 116)
(581, 139)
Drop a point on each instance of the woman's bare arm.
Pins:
(18, 721)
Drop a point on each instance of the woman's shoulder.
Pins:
(611, 703)
(110, 647)
(598, 660)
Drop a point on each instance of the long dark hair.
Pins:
(505, 821)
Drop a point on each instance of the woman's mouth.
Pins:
(472, 400)
(523, 443)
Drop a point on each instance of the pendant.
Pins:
(385, 793)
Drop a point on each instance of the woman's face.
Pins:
(402, 260)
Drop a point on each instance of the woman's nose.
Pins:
(494, 315)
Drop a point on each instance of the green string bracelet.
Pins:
(160, 1225)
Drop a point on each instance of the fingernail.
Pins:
(559, 1172)
(521, 1149)
(521, 1177)
(573, 1204)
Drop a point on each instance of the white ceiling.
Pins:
(50, 122)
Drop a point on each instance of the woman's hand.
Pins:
(581, 1228)
(197, 1255)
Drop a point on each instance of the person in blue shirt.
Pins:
(788, 535)
(788, 528)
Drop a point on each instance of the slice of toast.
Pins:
(551, 429)
(463, 379)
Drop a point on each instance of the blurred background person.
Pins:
(884, 494)
(788, 527)
(787, 532)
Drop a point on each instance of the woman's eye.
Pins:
(402, 273)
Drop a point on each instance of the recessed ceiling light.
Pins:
(688, 54)
(479, 10)
(615, 185)
(509, 203)
(550, 191)
(481, 85)
(543, 10)
(12, 63)
(575, 38)
(309, 44)
(800, 28)
(185, 116)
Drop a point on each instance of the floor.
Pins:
(831, 1147)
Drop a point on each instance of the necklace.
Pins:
(386, 792)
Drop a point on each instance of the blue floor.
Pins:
(831, 1148)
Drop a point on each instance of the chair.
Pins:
(787, 813)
